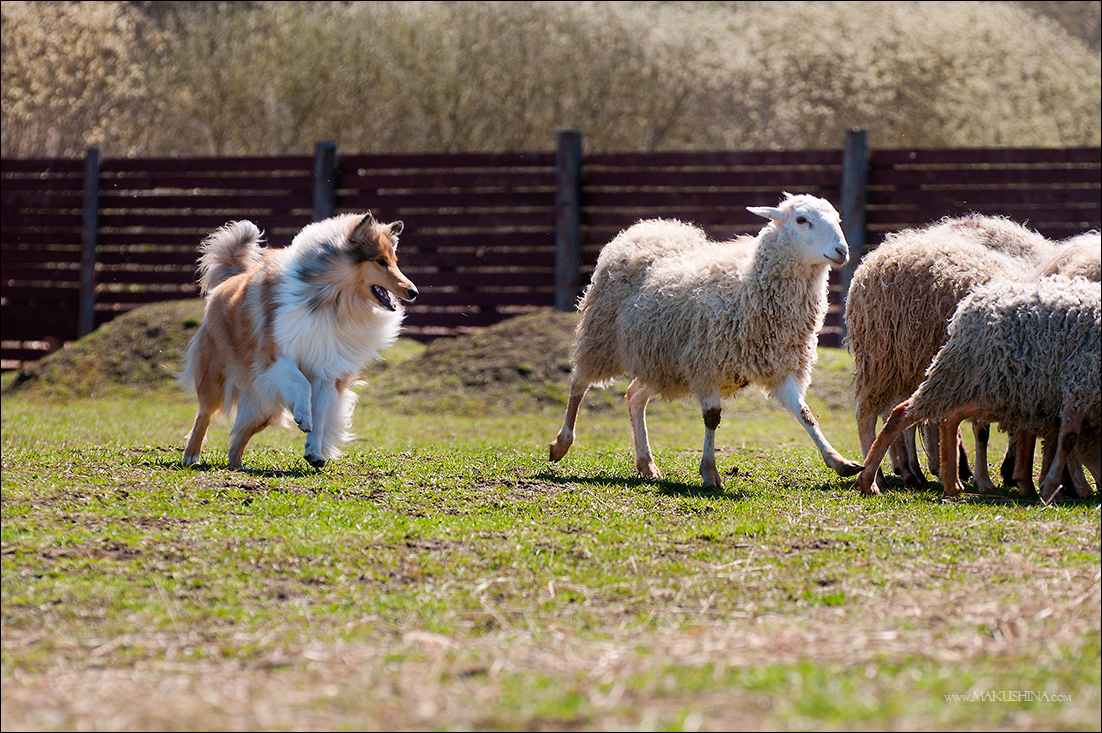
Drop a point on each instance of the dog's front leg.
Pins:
(283, 383)
(324, 399)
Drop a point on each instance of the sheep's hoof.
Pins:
(955, 490)
(316, 461)
(867, 484)
(848, 468)
(983, 487)
(648, 469)
(557, 450)
(914, 480)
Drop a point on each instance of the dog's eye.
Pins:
(381, 262)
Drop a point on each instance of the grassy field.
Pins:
(443, 575)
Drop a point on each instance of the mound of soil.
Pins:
(140, 349)
(518, 364)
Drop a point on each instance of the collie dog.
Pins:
(287, 331)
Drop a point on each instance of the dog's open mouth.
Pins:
(383, 297)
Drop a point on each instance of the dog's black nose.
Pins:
(411, 294)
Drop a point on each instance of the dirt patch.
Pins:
(140, 349)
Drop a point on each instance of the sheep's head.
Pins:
(812, 225)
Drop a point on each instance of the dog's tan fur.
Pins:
(288, 330)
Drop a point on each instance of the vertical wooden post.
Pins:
(325, 180)
(568, 217)
(855, 184)
(88, 232)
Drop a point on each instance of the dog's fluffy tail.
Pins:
(231, 250)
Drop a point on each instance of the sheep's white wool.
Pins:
(899, 303)
(1022, 351)
(682, 314)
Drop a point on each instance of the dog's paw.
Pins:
(190, 460)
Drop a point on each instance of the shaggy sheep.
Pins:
(1026, 355)
(900, 300)
(1078, 256)
(683, 315)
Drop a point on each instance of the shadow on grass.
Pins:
(933, 492)
(205, 467)
(663, 486)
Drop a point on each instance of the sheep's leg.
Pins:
(1064, 446)
(930, 432)
(565, 438)
(962, 457)
(950, 448)
(710, 408)
(1078, 478)
(638, 395)
(866, 433)
(981, 478)
(791, 396)
(894, 426)
(1090, 458)
(897, 452)
(911, 470)
(1023, 463)
(1006, 470)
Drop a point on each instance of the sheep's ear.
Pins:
(769, 212)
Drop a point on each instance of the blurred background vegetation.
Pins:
(271, 78)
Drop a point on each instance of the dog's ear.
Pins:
(395, 229)
(365, 224)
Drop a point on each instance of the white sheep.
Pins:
(1026, 355)
(1078, 256)
(683, 315)
(899, 303)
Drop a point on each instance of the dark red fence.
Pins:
(487, 236)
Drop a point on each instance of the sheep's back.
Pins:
(622, 269)
(1022, 351)
(708, 320)
(899, 304)
(1079, 256)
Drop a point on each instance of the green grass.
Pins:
(442, 575)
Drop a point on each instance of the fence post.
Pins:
(855, 184)
(568, 218)
(88, 231)
(325, 179)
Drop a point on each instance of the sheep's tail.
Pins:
(231, 250)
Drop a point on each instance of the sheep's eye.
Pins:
(801, 220)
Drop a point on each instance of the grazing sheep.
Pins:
(900, 300)
(1078, 256)
(683, 315)
(1026, 355)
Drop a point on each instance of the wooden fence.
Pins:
(487, 236)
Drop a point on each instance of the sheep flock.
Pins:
(971, 318)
